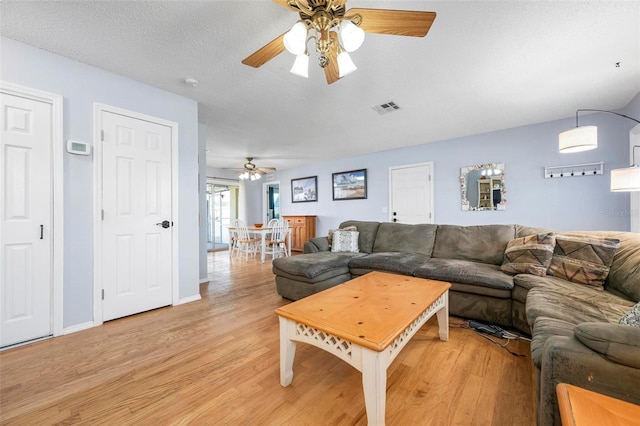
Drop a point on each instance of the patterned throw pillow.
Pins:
(583, 259)
(529, 255)
(345, 241)
(346, 228)
(632, 317)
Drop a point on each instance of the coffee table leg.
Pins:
(443, 318)
(374, 384)
(287, 351)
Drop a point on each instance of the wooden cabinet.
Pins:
(302, 228)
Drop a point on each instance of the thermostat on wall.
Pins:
(80, 148)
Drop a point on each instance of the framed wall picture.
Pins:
(351, 185)
(304, 189)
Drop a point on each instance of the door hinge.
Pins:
(429, 178)
(102, 135)
(429, 215)
(103, 294)
(102, 214)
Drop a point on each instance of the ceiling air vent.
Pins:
(386, 108)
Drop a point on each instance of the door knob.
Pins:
(165, 224)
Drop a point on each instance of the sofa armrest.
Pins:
(616, 342)
(567, 360)
(317, 244)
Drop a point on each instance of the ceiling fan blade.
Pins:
(266, 169)
(265, 53)
(285, 4)
(331, 71)
(395, 22)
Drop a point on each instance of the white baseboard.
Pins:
(204, 280)
(78, 327)
(189, 299)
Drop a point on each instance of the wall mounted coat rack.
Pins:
(587, 169)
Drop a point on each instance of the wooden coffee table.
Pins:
(365, 322)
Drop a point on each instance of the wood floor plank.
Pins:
(216, 361)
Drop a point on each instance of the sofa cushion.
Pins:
(543, 328)
(583, 259)
(394, 262)
(632, 318)
(345, 241)
(313, 266)
(405, 238)
(367, 230)
(332, 231)
(524, 230)
(522, 283)
(624, 274)
(465, 272)
(529, 255)
(575, 304)
(616, 342)
(484, 243)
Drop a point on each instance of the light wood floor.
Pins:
(216, 362)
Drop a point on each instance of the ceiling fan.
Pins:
(337, 32)
(252, 172)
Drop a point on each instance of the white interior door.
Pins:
(136, 200)
(25, 219)
(411, 193)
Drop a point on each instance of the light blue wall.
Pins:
(578, 203)
(81, 85)
(202, 186)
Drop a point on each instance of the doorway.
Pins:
(135, 252)
(222, 208)
(31, 219)
(271, 201)
(411, 193)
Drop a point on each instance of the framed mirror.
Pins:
(482, 187)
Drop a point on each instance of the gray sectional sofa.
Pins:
(575, 333)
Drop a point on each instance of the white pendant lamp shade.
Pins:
(301, 66)
(295, 40)
(627, 179)
(345, 64)
(352, 36)
(581, 138)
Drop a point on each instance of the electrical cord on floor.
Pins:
(485, 330)
(502, 346)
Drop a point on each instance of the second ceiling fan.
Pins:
(337, 32)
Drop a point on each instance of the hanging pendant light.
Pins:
(579, 139)
(628, 178)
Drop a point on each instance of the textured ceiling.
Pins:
(484, 66)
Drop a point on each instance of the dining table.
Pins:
(262, 231)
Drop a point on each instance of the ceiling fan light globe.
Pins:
(301, 66)
(352, 36)
(345, 64)
(295, 40)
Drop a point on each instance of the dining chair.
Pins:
(276, 244)
(244, 242)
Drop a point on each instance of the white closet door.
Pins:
(25, 219)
